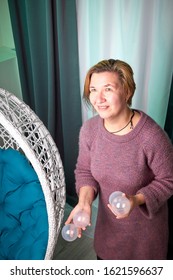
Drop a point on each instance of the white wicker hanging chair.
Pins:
(22, 130)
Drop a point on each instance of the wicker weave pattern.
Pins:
(21, 129)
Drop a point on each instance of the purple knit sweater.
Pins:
(140, 161)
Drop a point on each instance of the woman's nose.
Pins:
(100, 97)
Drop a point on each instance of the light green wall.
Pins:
(9, 74)
(6, 35)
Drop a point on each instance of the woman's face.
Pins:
(107, 95)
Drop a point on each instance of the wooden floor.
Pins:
(79, 249)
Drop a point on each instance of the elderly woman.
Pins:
(123, 149)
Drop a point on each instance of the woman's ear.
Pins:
(128, 97)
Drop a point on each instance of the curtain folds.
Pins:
(45, 35)
(138, 32)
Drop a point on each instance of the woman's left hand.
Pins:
(135, 200)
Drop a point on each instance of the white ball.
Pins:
(119, 203)
(69, 232)
(81, 219)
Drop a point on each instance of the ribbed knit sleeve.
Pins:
(159, 154)
(83, 170)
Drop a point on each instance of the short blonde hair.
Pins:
(125, 74)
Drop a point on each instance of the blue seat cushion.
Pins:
(23, 214)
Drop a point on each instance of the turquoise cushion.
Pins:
(23, 214)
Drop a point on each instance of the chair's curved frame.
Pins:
(21, 129)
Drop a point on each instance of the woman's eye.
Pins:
(108, 89)
(92, 90)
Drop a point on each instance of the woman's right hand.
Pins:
(77, 208)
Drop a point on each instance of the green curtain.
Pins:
(45, 36)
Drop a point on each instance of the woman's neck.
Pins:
(121, 124)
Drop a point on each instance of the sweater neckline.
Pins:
(126, 137)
